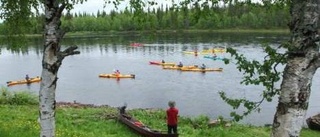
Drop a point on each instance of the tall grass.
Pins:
(17, 98)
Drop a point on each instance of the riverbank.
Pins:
(114, 33)
(83, 120)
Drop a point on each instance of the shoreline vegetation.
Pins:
(89, 33)
(19, 117)
(84, 33)
(231, 16)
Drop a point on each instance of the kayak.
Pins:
(215, 50)
(136, 44)
(206, 52)
(214, 58)
(178, 68)
(163, 64)
(198, 53)
(115, 76)
(201, 70)
(31, 80)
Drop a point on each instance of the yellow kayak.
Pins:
(216, 50)
(205, 52)
(201, 70)
(178, 68)
(196, 53)
(31, 80)
(115, 76)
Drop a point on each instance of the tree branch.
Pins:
(69, 51)
(60, 10)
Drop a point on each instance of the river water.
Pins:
(195, 93)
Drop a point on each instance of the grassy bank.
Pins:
(87, 121)
(19, 118)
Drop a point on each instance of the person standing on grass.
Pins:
(172, 118)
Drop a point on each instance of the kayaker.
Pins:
(214, 56)
(172, 118)
(180, 64)
(203, 66)
(27, 78)
(117, 73)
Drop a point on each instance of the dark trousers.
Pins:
(172, 129)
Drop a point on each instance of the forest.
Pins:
(238, 15)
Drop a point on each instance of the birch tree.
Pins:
(303, 61)
(51, 62)
(15, 11)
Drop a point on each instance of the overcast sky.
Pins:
(92, 6)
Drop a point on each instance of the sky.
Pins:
(92, 6)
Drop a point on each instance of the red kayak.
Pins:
(155, 63)
(136, 44)
(160, 63)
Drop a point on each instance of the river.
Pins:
(195, 93)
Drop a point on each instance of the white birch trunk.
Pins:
(52, 59)
(303, 61)
(49, 73)
(47, 104)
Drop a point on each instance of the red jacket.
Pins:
(172, 116)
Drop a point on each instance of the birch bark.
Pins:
(52, 59)
(303, 61)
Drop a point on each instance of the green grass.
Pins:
(22, 121)
(19, 114)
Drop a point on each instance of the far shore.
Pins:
(95, 33)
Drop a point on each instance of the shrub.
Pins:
(17, 98)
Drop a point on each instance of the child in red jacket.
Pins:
(172, 118)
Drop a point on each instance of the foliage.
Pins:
(21, 120)
(17, 98)
(16, 20)
(14, 10)
(263, 73)
(162, 17)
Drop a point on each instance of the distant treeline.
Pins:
(238, 15)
